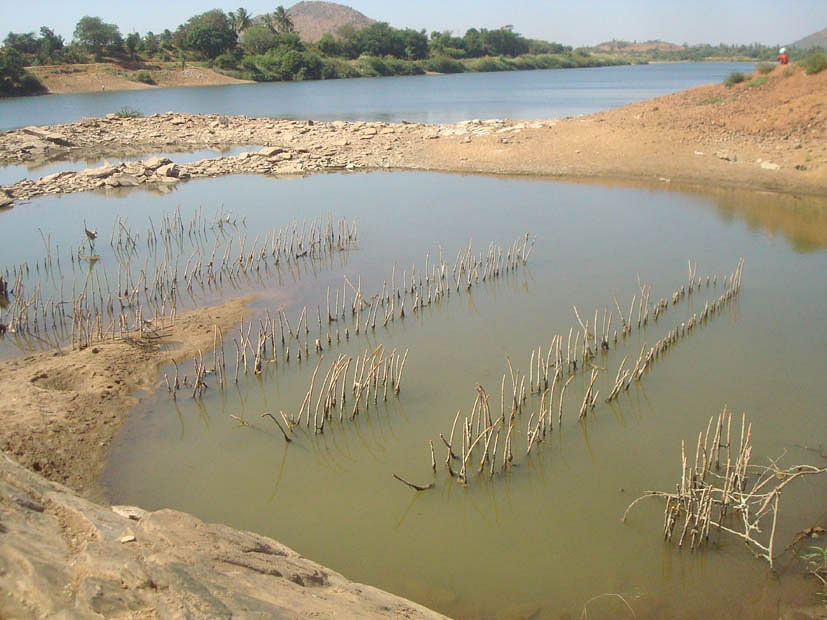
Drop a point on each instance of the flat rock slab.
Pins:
(47, 136)
(65, 557)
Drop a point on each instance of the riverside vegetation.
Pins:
(268, 48)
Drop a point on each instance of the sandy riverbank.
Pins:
(97, 77)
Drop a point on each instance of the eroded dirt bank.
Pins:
(95, 77)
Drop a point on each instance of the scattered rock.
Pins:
(768, 165)
(156, 162)
(168, 170)
(47, 136)
(270, 151)
(101, 172)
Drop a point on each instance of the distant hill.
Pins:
(314, 19)
(627, 47)
(817, 39)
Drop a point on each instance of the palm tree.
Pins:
(240, 20)
(283, 21)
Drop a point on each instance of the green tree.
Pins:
(151, 43)
(240, 20)
(209, 33)
(132, 43)
(283, 22)
(25, 43)
(166, 39)
(380, 39)
(50, 44)
(95, 35)
(258, 39)
(415, 44)
(14, 80)
(473, 43)
(328, 45)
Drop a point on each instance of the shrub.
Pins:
(765, 67)
(225, 61)
(373, 66)
(398, 66)
(486, 64)
(736, 77)
(759, 81)
(712, 101)
(443, 64)
(144, 76)
(335, 68)
(814, 63)
(128, 112)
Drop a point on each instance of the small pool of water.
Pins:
(545, 538)
(9, 175)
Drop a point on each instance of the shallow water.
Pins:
(9, 175)
(428, 99)
(546, 537)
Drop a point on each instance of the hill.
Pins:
(313, 19)
(817, 39)
(643, 47)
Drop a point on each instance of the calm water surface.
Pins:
(546, 537)
(430, 99)
(9, 175)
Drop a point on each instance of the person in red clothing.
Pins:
(783, 57)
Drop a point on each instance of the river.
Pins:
(427, 99)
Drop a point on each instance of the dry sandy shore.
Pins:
(91, 78)
(60, 409)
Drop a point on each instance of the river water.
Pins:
(427, 99)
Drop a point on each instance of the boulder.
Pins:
(47, 136)
(126, 180)
(79, 560)
(168, 170)
(156, 162)
(270, 151)
(100, 173)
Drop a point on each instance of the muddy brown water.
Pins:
(545, 538)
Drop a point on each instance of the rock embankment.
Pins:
(62, 556)
(281, 148)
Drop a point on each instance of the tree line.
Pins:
(268, 48)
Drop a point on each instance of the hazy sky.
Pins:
(574, 22)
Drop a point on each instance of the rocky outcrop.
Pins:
(62, 556)
(284, 148)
